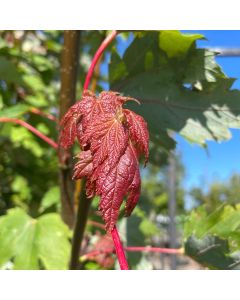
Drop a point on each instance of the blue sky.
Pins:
(222, 159)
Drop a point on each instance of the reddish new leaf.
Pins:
(68, 126)
(108, 138)
(80, 113)
(111, 139)
(114, 184)
(84, 166)
(138, 131)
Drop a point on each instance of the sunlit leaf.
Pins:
(34, 243)
(50, 198)
(14, 111)
(182, 89)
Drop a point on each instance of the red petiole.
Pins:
(119, 249)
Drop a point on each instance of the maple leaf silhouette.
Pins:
(111, 139)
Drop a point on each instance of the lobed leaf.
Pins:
(197, 101)
(33, 243)
(111, 139)
(213, 239)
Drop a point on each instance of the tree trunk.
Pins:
(69, 70)
(172, 208)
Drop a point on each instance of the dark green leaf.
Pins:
(9, 72)
(212, 252)
(156, 73)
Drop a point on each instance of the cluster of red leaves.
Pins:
(111, 140)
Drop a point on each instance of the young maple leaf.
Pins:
(111, 139)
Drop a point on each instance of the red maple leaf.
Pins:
(111, 139)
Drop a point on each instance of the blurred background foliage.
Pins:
(32, 234)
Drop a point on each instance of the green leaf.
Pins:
(32, 243)
(40, 62)
(9, 72)
(224, 221)
(53, 243)
(176, 44)
(213, 252)
(36, 100)
(34, 82)
(50, 198)
(22, 136)
(156, 68)
(202, 65)
(20, 188)
(214, 239)
(14, 111)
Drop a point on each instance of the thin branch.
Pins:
(92, 254)
(32, 129)
(119, 249)
(226, 52)
(43, 114)
(155, 249)
(96, 224)
(82, 214)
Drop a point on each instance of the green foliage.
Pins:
(214, 239)
(181, 88)
(9, 72)
(14, 111)
(51, 197)
(30, 77)
(33, 243)
(212, 252)
(182, 42)
(36, 68)
(218, 192)
(21, 190)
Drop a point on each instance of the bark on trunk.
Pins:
(69, 70)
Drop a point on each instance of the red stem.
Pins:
(154, 249)
(119, 250)
(43, 114)
(32, 129)
(97, 55)
(96, 224)
(173, 251)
